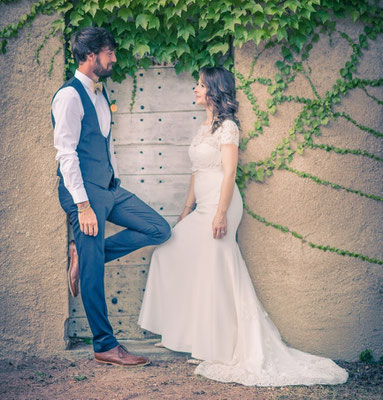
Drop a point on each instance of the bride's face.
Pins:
(200, 93)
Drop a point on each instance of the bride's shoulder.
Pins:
(229, 124)
(229, 132)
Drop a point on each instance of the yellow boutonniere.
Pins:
(113, 108)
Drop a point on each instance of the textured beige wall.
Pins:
(321, 302)
(33, 291)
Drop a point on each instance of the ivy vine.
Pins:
(196, 33)
(315, 113)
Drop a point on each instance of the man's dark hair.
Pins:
(91, 40)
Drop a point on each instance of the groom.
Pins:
(89, 189)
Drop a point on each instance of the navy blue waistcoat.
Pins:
(93, 148)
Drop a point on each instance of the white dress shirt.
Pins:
(68, 112)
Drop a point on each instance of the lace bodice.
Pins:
(205, 148)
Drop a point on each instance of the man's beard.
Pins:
(100, 71)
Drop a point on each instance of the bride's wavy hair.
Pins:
(220, 94)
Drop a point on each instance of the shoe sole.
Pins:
(193, 361)
(122, 365)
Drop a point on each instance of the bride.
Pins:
(199, 296)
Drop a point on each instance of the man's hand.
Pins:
(87, 219)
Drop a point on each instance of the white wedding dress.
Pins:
(200, 297)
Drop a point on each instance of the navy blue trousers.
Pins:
(144, 227)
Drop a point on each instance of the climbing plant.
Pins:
(195, 33)
(316, 111)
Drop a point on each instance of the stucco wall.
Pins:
(33, 291)
(321, 302)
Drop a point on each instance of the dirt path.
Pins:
(168, 377)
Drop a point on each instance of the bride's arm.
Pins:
(190, 201)
(229, 154)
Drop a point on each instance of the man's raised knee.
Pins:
(164, 233)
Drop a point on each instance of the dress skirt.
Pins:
(200, 298)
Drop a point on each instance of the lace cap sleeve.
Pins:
(229, 133)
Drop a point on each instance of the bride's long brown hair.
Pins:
(220, 94)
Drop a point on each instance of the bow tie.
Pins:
(96, 86)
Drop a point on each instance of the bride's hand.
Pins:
(219, 226)
(187, 210)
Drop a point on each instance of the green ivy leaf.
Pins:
(259, 20)
(300, 148)
(260, 174)
(87, 21)
(230, 22)
(278, 78)
(203, 23)
(64, 7)
(180, 7)
(290, 152)
(127, 43)
(287, 55)
(100, 18)
(255, 7)
(182, 48)
(140, 49)
(293, 5)
(228, 63)
(58, 24)
(272, 89)
(281, 34)
(125, 13)
(355, 15)
(145, 62)
(142, 20)
(271, 9)
(153, 22)
(280, 163)
(256, 35)
(324, 121)
(185, 32)
(3, 46)
(75, 18)
(119, 26)
(126, 62)
(219, 47)
(110, 5)
(91, 7)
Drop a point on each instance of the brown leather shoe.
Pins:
(119, 355)
(73, 270)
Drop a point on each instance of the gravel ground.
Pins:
(78, 377)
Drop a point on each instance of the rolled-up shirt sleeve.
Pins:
(68, 112)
